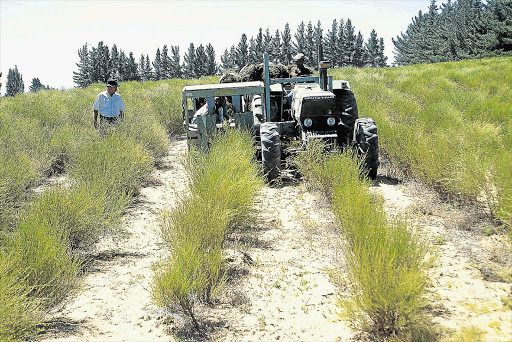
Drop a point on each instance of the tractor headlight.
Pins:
(331, 121)
(308, 122)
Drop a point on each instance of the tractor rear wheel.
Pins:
(270, 150)
(367, 142)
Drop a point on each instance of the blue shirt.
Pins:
(109, 106)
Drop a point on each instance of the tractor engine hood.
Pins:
(312, 107)
(315, 105)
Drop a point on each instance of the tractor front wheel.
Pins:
(367, 142)
(270, 150)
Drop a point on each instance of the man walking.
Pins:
(109, 105)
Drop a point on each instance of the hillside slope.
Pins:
(447, 124)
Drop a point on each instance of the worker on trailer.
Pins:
(299, 69)
(108, 105)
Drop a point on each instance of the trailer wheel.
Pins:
(367, 142)
(270, 150)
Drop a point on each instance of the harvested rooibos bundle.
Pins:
(254, 72)
(278, 71)
(230, 77)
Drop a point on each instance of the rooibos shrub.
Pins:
(385, 260)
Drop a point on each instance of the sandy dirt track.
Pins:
(280, 286)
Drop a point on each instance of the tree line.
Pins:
(342, 46)
(462, 29)
(15, 84)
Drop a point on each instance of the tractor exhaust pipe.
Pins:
(322, 67)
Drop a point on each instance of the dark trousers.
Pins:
(110, 120)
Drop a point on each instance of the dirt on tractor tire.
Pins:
(285, 274)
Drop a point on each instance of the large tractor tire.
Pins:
(367, 142)
(346, 103)
(270, 150)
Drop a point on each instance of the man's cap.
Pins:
(299, 56)
(112, 83)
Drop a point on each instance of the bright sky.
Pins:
(43, 37)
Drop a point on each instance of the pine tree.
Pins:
(259, 49)
(14, 85)
(358, 58)
(331, 44)
(123, 67)
(447, 31)
(225, 61)
(100, 63)
(350, 40)
(286, 46)
(165, 60)
(382, 58)
(157, 66)
(267, 41)
(114, 63)
(82, 77)
(275, 52)
(463, 29)
(500, 22)
(141, 70)
(201, 62)
(405, 49)
(340, 47)
(175, 63)
(233, 57)
(432, 44)
(148, 70)
(371, 50)
(36, 85)
(299, 46)
(317, 38)
(189, 62)
(242, 52)
(251, 56)
(211, 65)
(131, 68)
(310, 48)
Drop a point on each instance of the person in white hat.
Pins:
(300, 69)
(108, 105)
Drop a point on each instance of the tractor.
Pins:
(282, 110)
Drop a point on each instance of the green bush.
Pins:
(19, 312)
(77, 213)
(49, 270)
(115, 164)
(385, 260)
(194, 272)
(147, 132)
(223, 185)
(227, 175)
(16, 176)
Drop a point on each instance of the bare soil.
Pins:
(280, 284)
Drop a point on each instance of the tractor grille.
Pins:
(320, 134)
